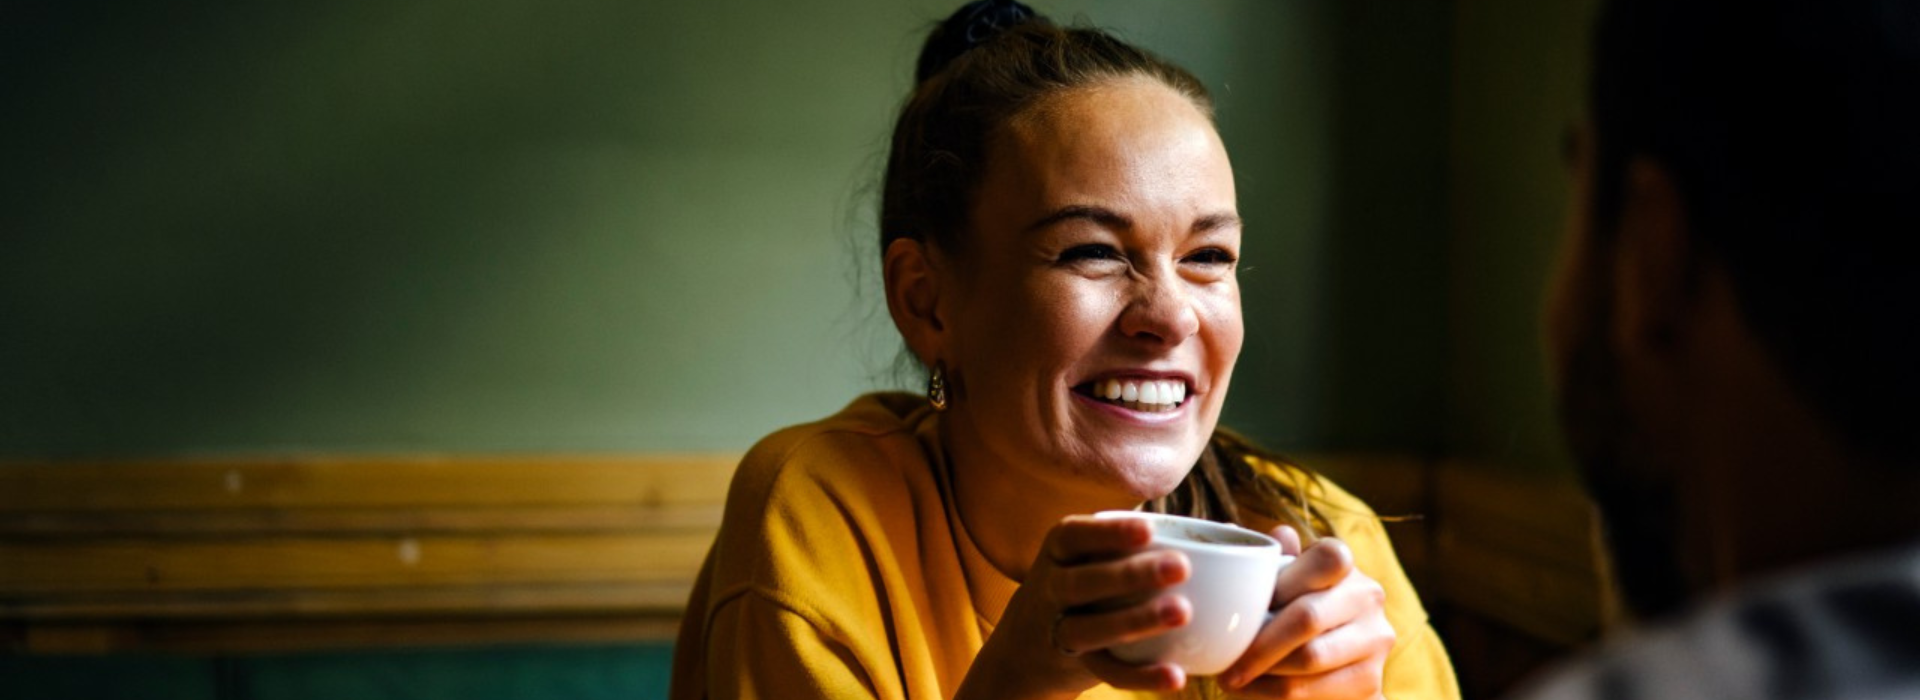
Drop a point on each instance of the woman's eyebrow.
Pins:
(1214, 222)
(1110, 219)
(1105, 218)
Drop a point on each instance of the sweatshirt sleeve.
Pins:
(1417, 667)
(760, 649)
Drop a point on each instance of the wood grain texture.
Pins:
(1520, 550)
(239, 554)
(271, 636)
(243, 564)
(238, 483)
(249, 554)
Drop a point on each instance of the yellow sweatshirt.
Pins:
(842, 571)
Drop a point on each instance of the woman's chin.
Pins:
(1144, 477)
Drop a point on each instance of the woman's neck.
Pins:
(1007, 506)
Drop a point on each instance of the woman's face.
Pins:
(1098, 314)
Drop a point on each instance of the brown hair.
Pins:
(940, 141)
(980, 69)
(1234, 476)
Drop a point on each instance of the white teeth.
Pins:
(1154, 393)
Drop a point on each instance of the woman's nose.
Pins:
(1161, 310)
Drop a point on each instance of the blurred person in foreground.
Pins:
(1060, 239)
(1735, 333)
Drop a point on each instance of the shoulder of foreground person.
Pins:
(1418, 667)
(1843, 630)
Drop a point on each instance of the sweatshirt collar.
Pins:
(990, 588)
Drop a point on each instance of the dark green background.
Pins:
(600, 226)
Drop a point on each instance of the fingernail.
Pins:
(1170, 569)
(1230, 681)
(1173, 612)
(1176, 679)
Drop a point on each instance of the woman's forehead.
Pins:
(1119, 140)
(1116, 104)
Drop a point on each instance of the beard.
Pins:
(1638, 501)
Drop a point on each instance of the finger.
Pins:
(1130, 578)
(1125, 676)
(1289, 539)
(1092, 631)
(1360, 681)
(1322, 566)
(1292, 627)
(1303, 620)
(1343, 646)
(1081, 538)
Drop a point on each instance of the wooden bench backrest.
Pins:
(291, 553)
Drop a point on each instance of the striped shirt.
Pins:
(1848, 630)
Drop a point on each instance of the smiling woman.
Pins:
(1104, 230)
(1060, 237)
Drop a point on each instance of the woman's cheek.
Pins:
(1221, 309)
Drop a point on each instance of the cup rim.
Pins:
(1266, 542)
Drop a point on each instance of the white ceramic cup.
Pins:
(1230, 583)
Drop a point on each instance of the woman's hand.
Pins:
(1328, 639)
(1092, 586)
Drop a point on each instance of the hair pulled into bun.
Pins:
(977, 70)
(975, 23)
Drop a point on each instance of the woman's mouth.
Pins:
(1143, 395)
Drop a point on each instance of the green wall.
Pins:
(435, 225)
(1518, 84)
(591, 225)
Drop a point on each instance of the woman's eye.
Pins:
(1089, 252)
(1212, 256)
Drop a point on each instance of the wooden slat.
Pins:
(289, 636)
(1519, 550)
(312, 521)
(665, 597)
(252, 554)
(89, 566)
(362, 482)
(1547, 519)
(1547, 601)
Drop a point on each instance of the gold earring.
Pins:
(937, 386)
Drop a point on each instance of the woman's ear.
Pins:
(914, 285)
(1656, 265)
